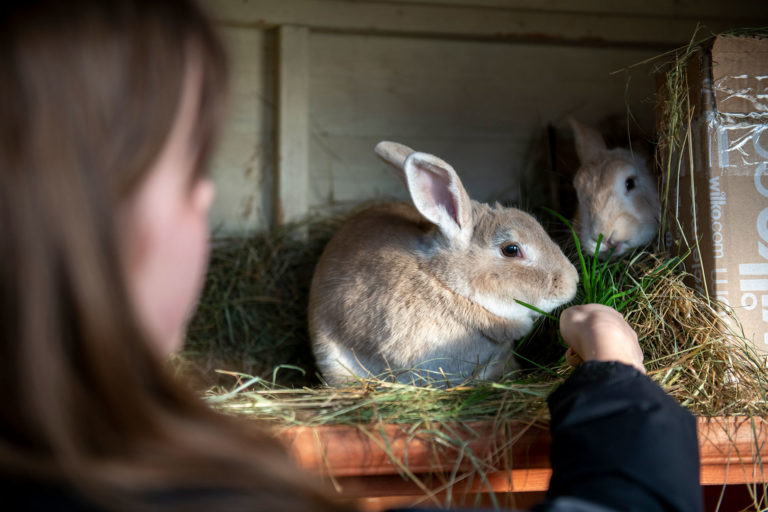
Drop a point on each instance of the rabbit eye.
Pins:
(630, 183)
(511, 251)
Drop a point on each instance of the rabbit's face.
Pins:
(510, 257)
(618, 199)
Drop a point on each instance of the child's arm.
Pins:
(618, 440)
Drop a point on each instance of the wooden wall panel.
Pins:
(475, 82)
(292, 124)
(594, 22)
(243, 165)
(703, 10)
(481, 106)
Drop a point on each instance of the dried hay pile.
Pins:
(680, 331)
(252, 315)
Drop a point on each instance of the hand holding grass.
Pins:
(594, 332)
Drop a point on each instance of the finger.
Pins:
(572, 358)
(570, 320)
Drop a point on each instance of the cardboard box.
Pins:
(723, 203)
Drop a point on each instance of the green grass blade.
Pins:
(539, 311)
(577, 243)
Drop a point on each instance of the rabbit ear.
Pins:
(394, 154)
(439, 196)
(589, 142)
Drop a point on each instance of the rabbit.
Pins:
(617, 196)
(427, 290)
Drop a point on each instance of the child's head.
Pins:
(163, 227)
(108, 113)
(108, 110)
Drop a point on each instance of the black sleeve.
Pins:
(620, 442)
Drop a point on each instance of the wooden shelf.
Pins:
(514, 457)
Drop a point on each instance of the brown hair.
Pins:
(89, 91)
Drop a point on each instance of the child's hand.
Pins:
(598, 333)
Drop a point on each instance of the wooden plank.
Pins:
(514, 456)
(733, 450)
(516, 480)
(482, 107)
(292, 124)
(244, 160)
(344, 451)
(695, 9)
(429, 20)
(507, 501)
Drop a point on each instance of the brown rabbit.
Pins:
(617, 195)
(428, 289)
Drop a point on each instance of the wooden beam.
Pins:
(519, 21)
(514, 456)
(350, 451)
(701, 10)
(292, 124)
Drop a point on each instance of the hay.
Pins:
(711, 371)
(692, 354)
(252, 314)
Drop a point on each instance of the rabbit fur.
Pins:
(425, 290)
(617, 196)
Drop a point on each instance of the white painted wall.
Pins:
(244, 163)
(481, 106)
(473, 82)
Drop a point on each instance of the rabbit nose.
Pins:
(612, 244)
